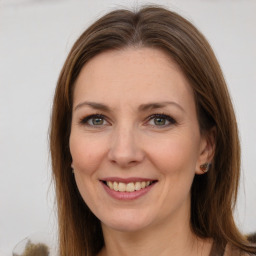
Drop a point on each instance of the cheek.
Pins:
(175, 160)
(87, 155)
(86, 152)
(175, 155)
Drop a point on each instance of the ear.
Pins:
(72, 166)
(207, 149)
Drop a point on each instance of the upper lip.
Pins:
(127, 180)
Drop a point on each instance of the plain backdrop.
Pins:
(35, 37)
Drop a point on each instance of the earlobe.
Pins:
(72, 168)
(207, 151)
(205, 167)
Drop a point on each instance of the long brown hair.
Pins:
(214, 194)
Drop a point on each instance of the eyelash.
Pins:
(85, 120)
(172, 121)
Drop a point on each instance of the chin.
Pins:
(126, 227)
(124, 223)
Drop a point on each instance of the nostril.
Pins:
(125, 153)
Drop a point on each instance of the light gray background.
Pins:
(35, 37)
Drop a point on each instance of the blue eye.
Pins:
(94, 120)
(161, 120)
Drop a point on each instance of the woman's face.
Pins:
(135, 139)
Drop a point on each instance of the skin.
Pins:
(129, 142)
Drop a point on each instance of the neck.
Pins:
(173, 239)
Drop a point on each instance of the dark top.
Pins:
(217, 250)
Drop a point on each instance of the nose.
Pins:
(125, 150)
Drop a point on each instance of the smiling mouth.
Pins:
(128, 187)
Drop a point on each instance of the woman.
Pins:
(144, 144)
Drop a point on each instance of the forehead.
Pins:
(132, 75)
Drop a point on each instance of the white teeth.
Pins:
(137, 186)
(115, 186)
(129, 187)
(121, 187)
(110, 184)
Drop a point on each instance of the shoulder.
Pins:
(252, 238)
(233, 251)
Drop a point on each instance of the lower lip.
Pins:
(127, 195)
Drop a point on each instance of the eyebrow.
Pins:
(156, 105)
(142, 107)
(94, 105)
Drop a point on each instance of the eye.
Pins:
(94, 120)
(161, 120)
